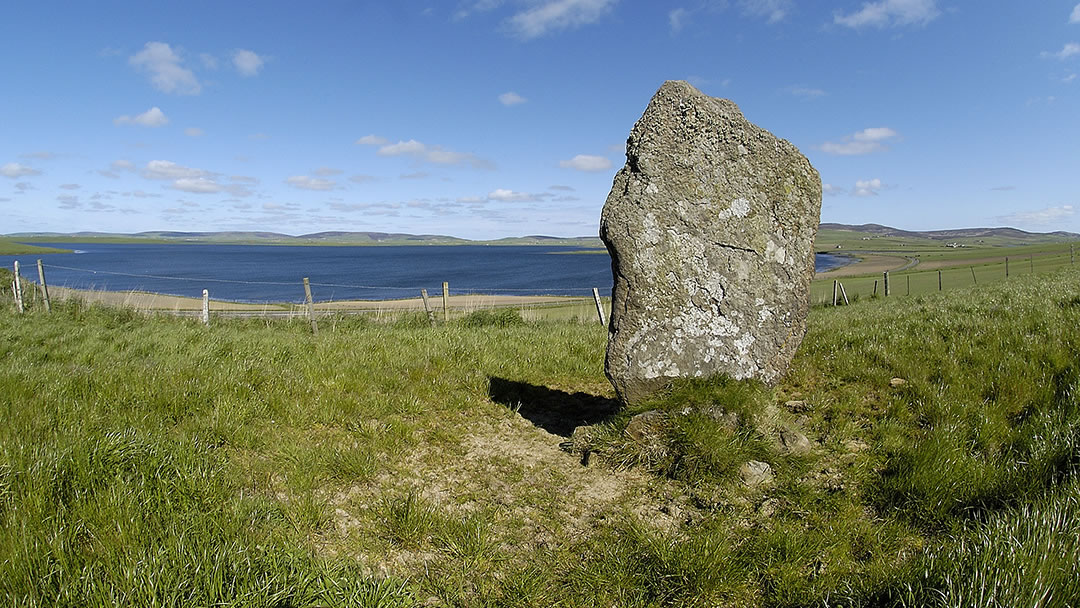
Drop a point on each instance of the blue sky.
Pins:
(492, 118)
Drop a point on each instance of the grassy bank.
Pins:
(11, 247)
(921, 452)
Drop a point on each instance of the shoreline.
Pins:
(154, 302)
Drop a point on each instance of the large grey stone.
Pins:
(711, 228)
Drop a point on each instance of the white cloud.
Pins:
(1067, 51)
(805, 92)
(166, 169)
(1069, 78)
(70, 186)
(433, 154)
(1075, 16)
(862, 142)
(773, 11)
(209, 61)
(479, 6)
(122, 165)
(676, 18)
(42, 155)
(586, 162)
(888, 13)
(1043, 217)
(831, 190)
(153, 117)
(361, 178)
(868, 187)
(16, 170)
(165, 69)
(327, 171)
(511, 98)
(372, 140)
(194, 132)
(311, 183)
(553, 15)
(197, 185)
(248, 63)
(510, 196)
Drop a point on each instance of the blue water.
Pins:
(273, 273)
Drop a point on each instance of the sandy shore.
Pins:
(159, 302)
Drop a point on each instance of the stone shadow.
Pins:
(557, 412)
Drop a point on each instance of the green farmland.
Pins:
(152, 461)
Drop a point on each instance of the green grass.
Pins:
(9, 246)
(154, 461)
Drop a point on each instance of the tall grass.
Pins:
(155, 461)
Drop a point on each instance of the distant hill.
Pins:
(960, 233)
(317, 238)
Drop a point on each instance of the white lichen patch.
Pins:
(739, 208)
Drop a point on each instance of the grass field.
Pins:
(11, 247)
(922, 452)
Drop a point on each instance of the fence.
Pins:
(463, 302)
(919, 280)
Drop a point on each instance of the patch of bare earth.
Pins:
(536, 496)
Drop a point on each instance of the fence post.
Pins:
(44, 286)
(427, 308)
(843, 292)
(17, 287)
(445, 301)
(909, 284)
(939, 280)
(599, 306)
(1006, 267)
(206, 307)
(310, 307)
(834, 292)
(976, 281)
(875, 290)
(886, 279)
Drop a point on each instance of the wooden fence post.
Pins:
(1006, 267)
(445, 301)
(886, 280)
(310, 307)
(874, 295)
(17, 288)
(973, 279)
(44, 286)
(843, 292)
(909, 284)
(939, 280)
(427, 308)
(206, 307)
(834, 292)
(599, 306)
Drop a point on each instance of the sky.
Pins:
(493, 118)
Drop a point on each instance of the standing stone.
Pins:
(710, 227)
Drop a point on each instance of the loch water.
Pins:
(274, 273)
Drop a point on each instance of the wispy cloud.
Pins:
(327, 171)
(248, 63)
(890, 13)
(510, 196)
(153, 117)
(804, 92)
(164, 65)
(511, 98)
(194, 132)
(1042, 217)
(1070, 49)
(773, 11)
(677, 18)
(867, 187)
(862, 142)
(437, 155)
(1075, 16)
(555, 15)
(831, 190)
(305, 182)
(17, 170)
(587, 162)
